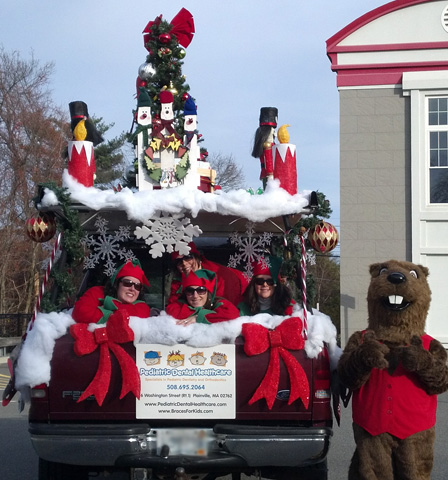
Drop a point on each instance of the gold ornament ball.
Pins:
(171, 88)
(181, 54)
(41, 228)
(323, 237)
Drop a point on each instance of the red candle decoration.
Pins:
(285, 167)
(81, 162)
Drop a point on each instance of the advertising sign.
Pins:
(186, 382)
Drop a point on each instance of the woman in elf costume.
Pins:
(198, 302)
(231, 283)
(265, 292)
(121, 293)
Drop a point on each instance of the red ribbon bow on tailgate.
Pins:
(116, 331)
(182, 28)
(287, 336)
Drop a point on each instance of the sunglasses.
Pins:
(179, 260)
(130, 283)
(261, 281)
(199, 290)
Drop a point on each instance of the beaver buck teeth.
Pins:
(395, 302)
(395, 299)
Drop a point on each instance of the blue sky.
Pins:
(245, 55)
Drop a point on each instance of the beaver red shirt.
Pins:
(396, 404)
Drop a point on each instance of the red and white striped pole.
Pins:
(303, 273)
(45, 280)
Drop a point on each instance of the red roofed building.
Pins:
(392, 77)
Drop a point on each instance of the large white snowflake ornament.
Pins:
(105, 247)
(251, 249)
(168, 233)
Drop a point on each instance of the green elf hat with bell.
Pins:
(268, 266)
(132, 268)
(201, 278)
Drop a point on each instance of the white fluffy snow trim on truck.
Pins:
(140, 206)
(33, 366)
(162, 329)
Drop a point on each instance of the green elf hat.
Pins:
(201, 278)
(143, 98)
(132, 268)
(268, 266)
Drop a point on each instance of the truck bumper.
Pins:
(230, 446)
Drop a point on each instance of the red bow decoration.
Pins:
(116, 331)
(287, 336)
(182, 28)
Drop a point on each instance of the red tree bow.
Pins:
(287, 336)
(182, 28)
(116, 331)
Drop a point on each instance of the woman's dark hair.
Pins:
(208, 303)
(194, 255)
(280, 300)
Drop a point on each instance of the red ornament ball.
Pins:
(41, 228)
(323, 237)
(185, 97)
(164, 38)
(141, 83)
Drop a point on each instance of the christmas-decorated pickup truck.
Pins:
(148, 397)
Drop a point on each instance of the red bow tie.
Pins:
(287, 336)
(116, 331)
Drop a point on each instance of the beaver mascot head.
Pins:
(398, 300)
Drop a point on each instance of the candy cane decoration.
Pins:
(303, 272)
(45, 281)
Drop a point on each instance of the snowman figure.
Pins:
(193, 178)
(167, 154)
(144, 129)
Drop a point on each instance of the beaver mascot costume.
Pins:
(395, 371)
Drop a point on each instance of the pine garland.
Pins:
(289, 247)
(71, 245)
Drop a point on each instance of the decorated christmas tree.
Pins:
(166, 43)
(166, 137)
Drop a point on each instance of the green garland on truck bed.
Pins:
(73, 251)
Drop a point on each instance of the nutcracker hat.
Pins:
(132, 268)
(268, 266)
(190, 107)
(143, 98)
(268, 116)
(166, 97)
(201, 278)
(78, 109)
(193, 249)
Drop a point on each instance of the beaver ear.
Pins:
(375, 268)
(424, 270)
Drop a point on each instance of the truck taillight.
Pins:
(39, 391)
(322, 376)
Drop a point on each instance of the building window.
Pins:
(438, 149)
